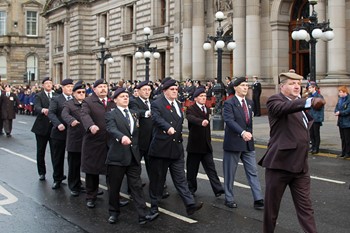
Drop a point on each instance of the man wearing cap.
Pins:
(142, 105)
(318, 116)
(71, 115)
(123, 157)
(239, 144)
(59, 132)
(286, 158)
(166, 149)
(199, 148)
(94, 147)
(42, 125)
(8, 105)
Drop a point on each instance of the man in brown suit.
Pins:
(199, 148)
(9, 102)
(286, 159)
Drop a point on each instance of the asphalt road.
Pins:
(28, 205)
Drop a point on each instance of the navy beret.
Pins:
(66, 81)
(198, 91)
(312, 83)
(238, 81)
(46, 79)
(119, 91)
(99, 82)
(165, 79)
(169, 83)
(79, 85)
(143, 83)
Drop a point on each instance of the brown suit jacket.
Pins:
(289, 137)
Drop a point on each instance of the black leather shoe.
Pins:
(231, 204)
(148, 218)
(74, 193)
(82, 190)
(90, 204)
(112, 219)
(259, 204)
(341, 156)
(154, 210)
(56, 185)
(63, 178)
(165, 195)
(346, 156)
(99, 193)
(218, 194)
(191, 209)
(123, 203)
(41, 177)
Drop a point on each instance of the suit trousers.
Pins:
(115, 175)
(74, 161)
(7, 126)
(299, 184)
(158, 171)
(1, 125)
(192, 165)
(41, 143)
(257, 108)
(230, 164)
(315, 136)
(57, 157)
(345, 140)
(145, 156)
(91, 185)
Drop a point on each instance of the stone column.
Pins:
(239, 35)
(337, 47)
(198, 38)
(66, 42)
(321, 55)
(187, 40)
(253, 50)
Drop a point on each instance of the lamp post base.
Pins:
(218, 122)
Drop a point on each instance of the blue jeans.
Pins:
(230, 164)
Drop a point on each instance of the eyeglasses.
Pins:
(173, 89)
(81, 92)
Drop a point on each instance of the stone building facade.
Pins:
(261, 28)
(22, 41)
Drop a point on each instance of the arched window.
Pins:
(299, 49)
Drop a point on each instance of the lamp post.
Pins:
(219, 91)
(147, 51)
(311, 31)
(105, 55)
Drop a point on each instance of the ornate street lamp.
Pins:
(312, 31)
(105, 55)
(220, 41)
(147, 51)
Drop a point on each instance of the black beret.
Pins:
(198, 91)
(79, 85)
(238, 81)
(46, 79)
(66, 81)
(169, 83)
(165, 79)
(99, 82)
(143, 83)
(119, 91)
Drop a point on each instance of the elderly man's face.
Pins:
(291, 88)
(101, 90)
(242, 89)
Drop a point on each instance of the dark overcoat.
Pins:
(94, 148)
(71, 112)
(235, 124)
(8, 106)
(146, 123)
(163, 117)
(55, 110)
(117, 127)
(287, 151)
(42, 124)
(199, 139)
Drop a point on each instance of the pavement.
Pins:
(330, 137)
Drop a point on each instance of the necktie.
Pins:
(174, 109)
(49, 95)
(203, 110)
(245, 110)
(7, 94)
(127, 116)
(104, 103)
(305, 120)
(146, 102)
(69, 97)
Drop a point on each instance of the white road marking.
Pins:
(328, 180)
(19, 155)
(22, 122)
(10, 198)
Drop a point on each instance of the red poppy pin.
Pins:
(168, 107)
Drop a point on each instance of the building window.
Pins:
(160, 12)
(2, 23)
(32, 23)
(129, 19)
(32, 67)
(3, 68)
(103, 25)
